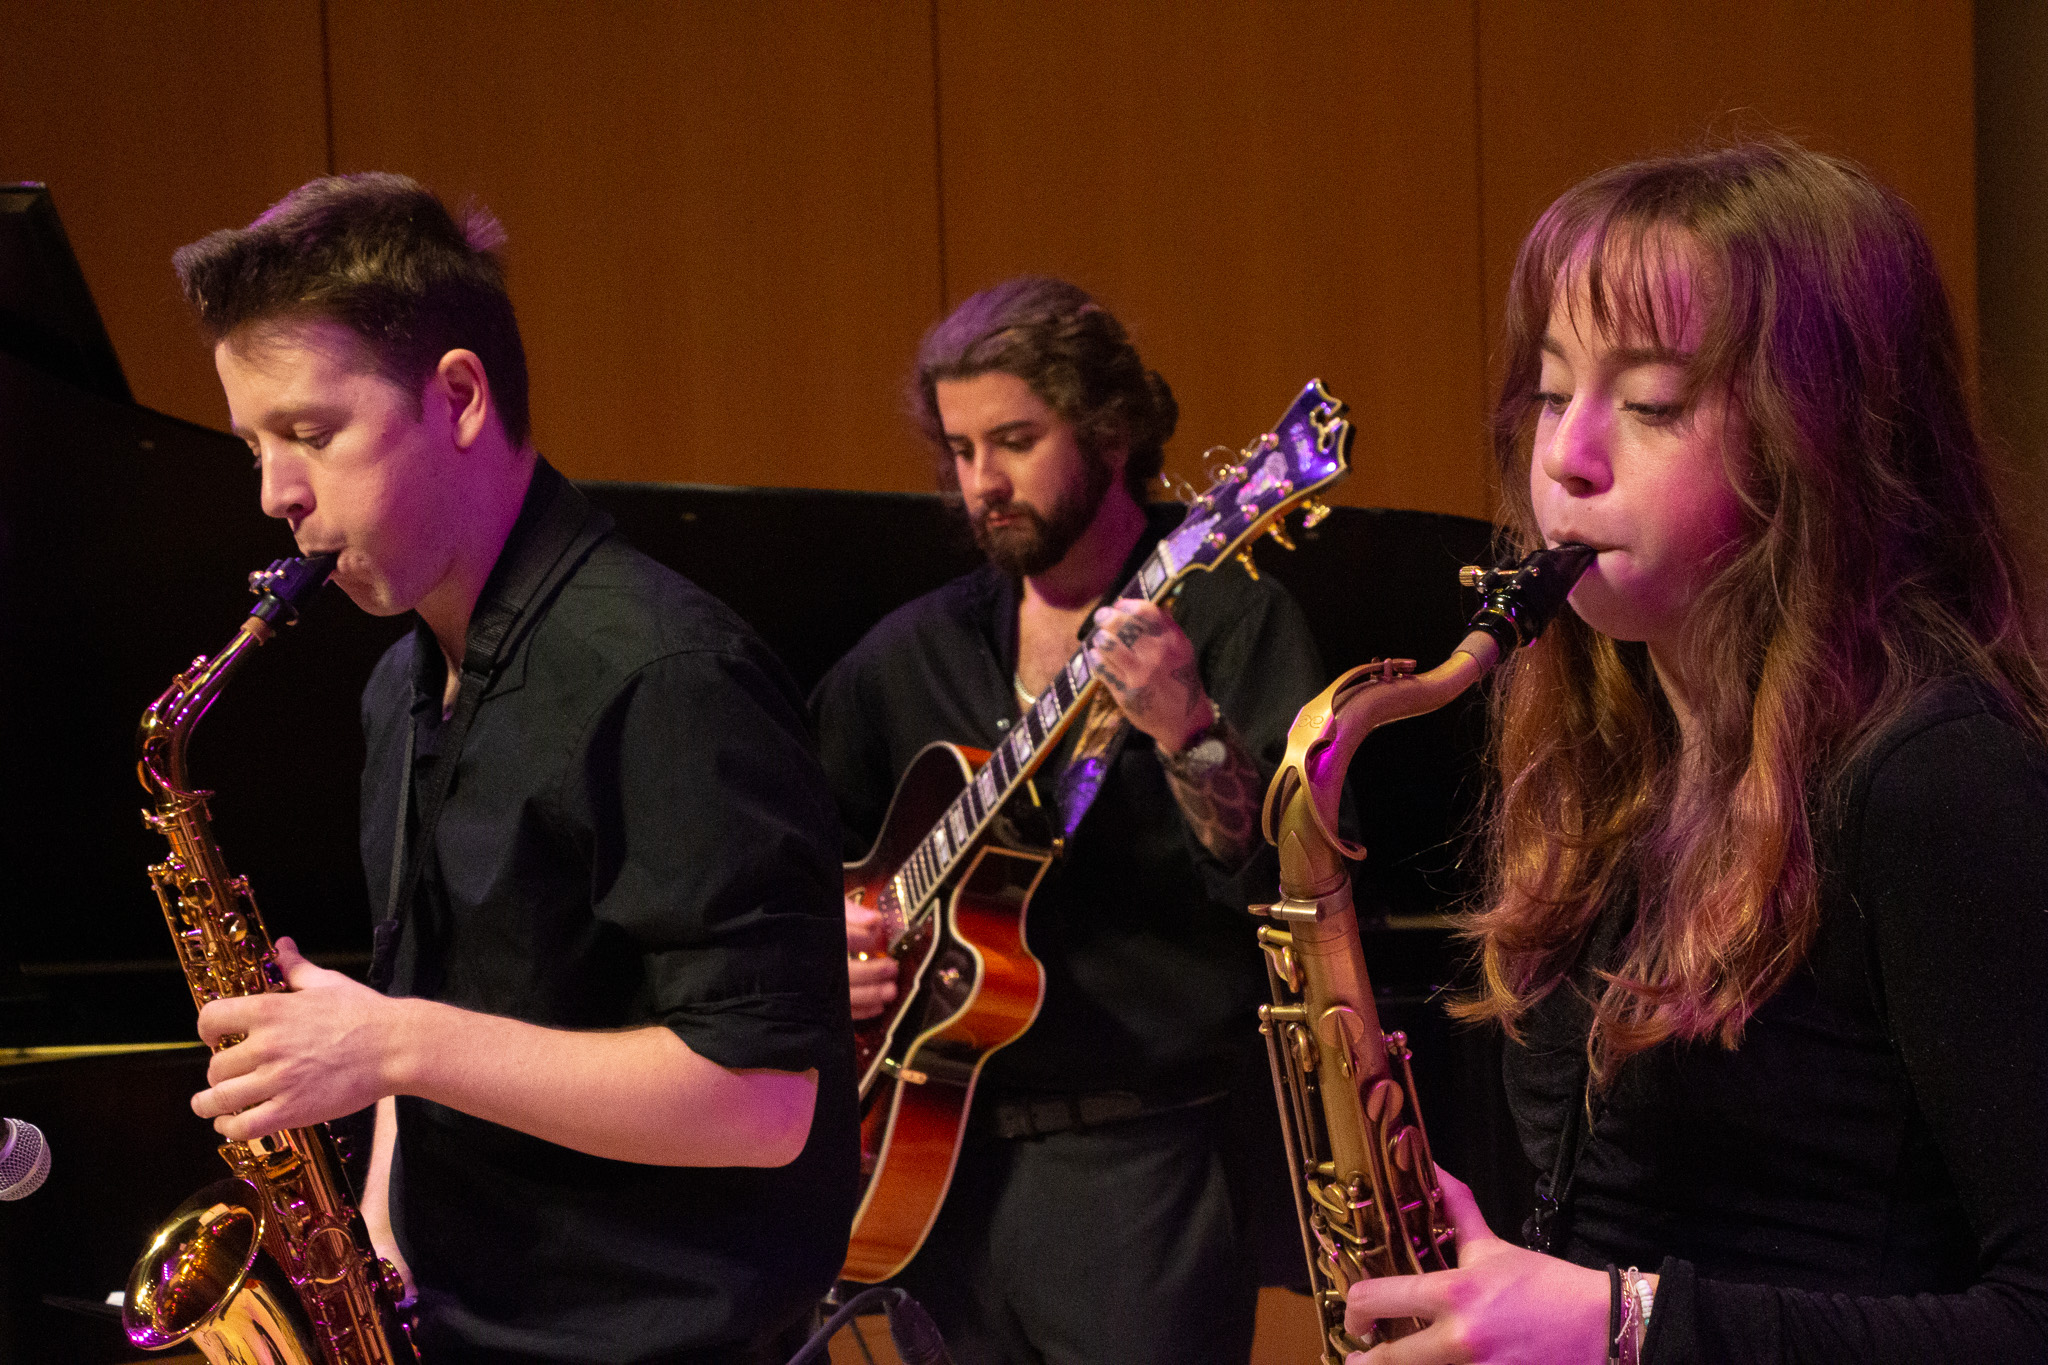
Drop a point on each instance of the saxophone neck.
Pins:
(281, 591)
(1303, 800)
(167, 725)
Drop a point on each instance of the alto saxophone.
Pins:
(273, 1265)
(1365, 1186)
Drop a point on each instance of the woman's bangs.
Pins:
(1640, 282)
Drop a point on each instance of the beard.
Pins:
(1034, 541)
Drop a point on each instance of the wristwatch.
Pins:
(1205, 753)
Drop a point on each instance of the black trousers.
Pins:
(1118, 1245)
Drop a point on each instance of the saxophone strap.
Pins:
(1544, 1229)
(555, 517)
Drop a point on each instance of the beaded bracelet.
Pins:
(1639, 1298)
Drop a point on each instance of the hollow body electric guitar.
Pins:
(967, 840)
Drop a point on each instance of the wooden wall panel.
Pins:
(1264, 192)
(723, 220)
(726, 221)
(1568, 87)
(154, 124)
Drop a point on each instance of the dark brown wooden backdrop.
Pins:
(730, 222)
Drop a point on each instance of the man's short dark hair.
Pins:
(382, 256)
(1071, 352)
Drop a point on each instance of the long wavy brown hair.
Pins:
(1871, 564)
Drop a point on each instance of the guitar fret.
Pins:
(1062, 688)
(985, 787)
(1021, 745)
(1077, 673)
(1048, 711)
(958, 823)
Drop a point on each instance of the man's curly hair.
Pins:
(1071, 352)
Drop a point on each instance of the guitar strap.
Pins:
(568, 522)
(1100, 739)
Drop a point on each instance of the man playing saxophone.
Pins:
(614, 1099)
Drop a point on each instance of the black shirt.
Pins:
(637, 834)
(1865, 1178)
(1153, 976)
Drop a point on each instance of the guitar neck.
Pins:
(1030, 743)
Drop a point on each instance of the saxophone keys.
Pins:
(1302, 1047)
(393, 1282)
(330, 1256)
(1383, 1102)
(1341, 1029)
(1404, 1148)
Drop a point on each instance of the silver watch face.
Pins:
(1203, 755)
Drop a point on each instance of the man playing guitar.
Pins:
(1092, 1215)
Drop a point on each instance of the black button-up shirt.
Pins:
(1153, 972)
(637, 833)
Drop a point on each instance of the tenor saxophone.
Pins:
(1366, 1191)
(271, 1266)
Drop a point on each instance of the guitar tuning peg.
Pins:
(1244, 557)
(1278, 531)
(1471, 576)
(1314, 514)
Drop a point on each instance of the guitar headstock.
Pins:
(1307, 450)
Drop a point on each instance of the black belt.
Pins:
(1037, 1115)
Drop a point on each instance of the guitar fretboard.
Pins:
(1014, 760)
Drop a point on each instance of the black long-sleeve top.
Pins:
(1865, 1178)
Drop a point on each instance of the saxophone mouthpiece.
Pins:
(1520, 601)
(287, 585)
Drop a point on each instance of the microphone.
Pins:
(24, 1159)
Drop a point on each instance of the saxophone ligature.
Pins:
(1365, 1186)
(273, 1265)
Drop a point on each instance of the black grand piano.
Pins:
(125, 540)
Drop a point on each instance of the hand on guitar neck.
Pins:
(1148, 664)
(869, 968)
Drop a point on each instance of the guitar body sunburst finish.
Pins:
(966, 985)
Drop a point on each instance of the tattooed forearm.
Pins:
(1218, 795)
(1149, 667)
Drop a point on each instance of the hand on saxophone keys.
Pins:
(1503, 1305)
(306, 1055)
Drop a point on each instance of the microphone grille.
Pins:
(24, 1159)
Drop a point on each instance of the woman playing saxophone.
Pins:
(1765, 919)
